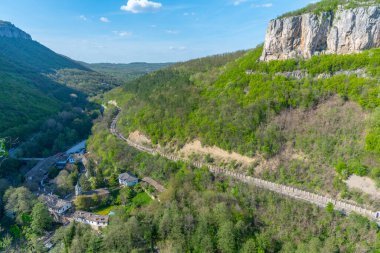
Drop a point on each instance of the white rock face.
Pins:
(10, 31)
(346, 31)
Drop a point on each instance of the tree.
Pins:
(113, 180)
(126, 195)
(330, 208)
(83, 202)
(84, 183)
(226, 238)
(41, 219)
(19, 201)
(64, 183)
(250, 246)
(5, 242)
(3, 150)
(120, 237)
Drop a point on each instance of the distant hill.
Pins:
(126, 72)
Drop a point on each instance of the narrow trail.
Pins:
(288, 191)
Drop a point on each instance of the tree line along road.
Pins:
(288, 191)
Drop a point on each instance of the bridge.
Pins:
(319, 200)
(30, 159)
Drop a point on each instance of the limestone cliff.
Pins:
(10, 31)
(341, 32)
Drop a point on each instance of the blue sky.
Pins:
(123, 31)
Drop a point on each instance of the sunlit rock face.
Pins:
(343, 32)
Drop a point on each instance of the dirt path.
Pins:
(196, 147)
(364, 184)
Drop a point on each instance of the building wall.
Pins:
(125, 183)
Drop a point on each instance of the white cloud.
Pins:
(238, 2)
(83, 17)
(137, 6)
(104, 20)
(123, 33)
(178, 48)
(268, 5)
(189, 14)
(172, 31)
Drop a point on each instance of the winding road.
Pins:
(288, 191)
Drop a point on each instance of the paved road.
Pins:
(292, 192)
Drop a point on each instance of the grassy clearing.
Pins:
(106, 210)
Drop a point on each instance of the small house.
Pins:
(75, 158)
(55, 204)
(127, 179)
(71, 159)
(94, 220)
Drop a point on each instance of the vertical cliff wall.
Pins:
(345, 31)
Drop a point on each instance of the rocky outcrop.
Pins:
(10, 31)
(345, 31)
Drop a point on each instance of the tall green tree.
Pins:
(226, 238)
(41, 219)
(19, 201)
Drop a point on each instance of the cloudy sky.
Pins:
(123, 31)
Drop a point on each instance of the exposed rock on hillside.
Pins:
(345, 31)
(10, 31)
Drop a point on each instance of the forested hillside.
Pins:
(201, 212)
(36, 83)
(27, 96)
(245, 107)
(38, 115)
